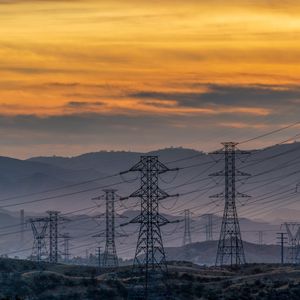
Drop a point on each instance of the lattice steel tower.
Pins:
(39, 230)
(293, 250)
(230, 247)
(187, 238)
(110, 258)
(149, 267)
(53, 236)
(209, 227)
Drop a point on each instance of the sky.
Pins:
(83, 75)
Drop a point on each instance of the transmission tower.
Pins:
(260, 238)
(66, 247)
(54, 219)
(187, 238)
(209, 227)
(39, 230)
(293, 250)
(98, 254)
(230, 247)
(53, 236)
(110, 258)
(150, 266)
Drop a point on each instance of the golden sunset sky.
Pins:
(85, 75)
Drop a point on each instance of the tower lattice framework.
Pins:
(230, 247)
(110, 257)
(209, 227)
(149, 267)
(293, 250)
(39, 230)
(187, 237)
(53, 236)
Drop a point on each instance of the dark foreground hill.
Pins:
(27, 280)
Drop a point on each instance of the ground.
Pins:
(28, 280)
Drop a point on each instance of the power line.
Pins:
(59, 188)
(269, 133)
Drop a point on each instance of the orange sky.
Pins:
(74, 58)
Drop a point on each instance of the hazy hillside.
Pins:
(204, 253)
(275, 174)
(274, 171)
(83, 227)
(114, 161)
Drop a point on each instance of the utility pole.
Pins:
(39, 230)
(187, 238)
(22, 224)
(281, 236)
(230, 247)
(110, 257)
(150, 266)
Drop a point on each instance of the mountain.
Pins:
(275, 173)
(68, 184)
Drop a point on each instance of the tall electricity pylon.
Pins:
(293, 233)
(22, 225)
(98, 255)
(53, 236)
(54, 219)
(150, 266)
(230, 247)
(66, 247)
(110, 258)
(260, 238)
(39, 230)
(187, 238)
(209, 227)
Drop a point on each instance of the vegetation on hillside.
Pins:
(25, 280)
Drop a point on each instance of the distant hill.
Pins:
(83, 226)
(204, 253)
(274, 170)
(57, 183)
(110, 162)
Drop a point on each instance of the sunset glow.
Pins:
(158, 59)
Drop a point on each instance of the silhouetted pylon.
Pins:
(150, 266)
(230, 247)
